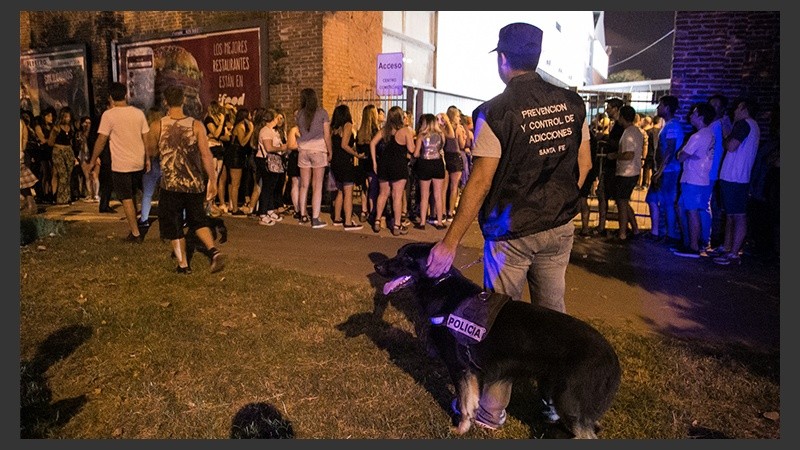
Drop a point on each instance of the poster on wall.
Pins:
(54, 77)
(223, 65)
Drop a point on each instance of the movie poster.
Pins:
(224, 66)
(54, 77)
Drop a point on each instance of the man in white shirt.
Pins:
(124, 128)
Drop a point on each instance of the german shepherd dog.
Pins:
(571, 362)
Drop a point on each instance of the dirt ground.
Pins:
(639, 285)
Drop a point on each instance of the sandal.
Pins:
(397, 230)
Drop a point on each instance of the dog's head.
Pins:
(406, 268)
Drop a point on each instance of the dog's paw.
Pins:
(463, 426)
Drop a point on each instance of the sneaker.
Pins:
(479, 421)
(338, 222)
(217, 259)
(686, 252)
(317, 223)
(548, 412)
(266, 220)
(489, 426)
(144, 224)
(719, 251)
(419, 226)
(439, 226)
(183, 270)
(727, 259)
(134, 239)
(352, 227)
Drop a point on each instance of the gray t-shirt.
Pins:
(312, 139)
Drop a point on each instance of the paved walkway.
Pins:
(639, 285)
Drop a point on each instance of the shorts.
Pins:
(235, 157)
(292, 170)
(307, 160)
(171, 207)
(623, 187)
(734, 196)
(453, 162)
(694, 197)
(427, 169)
(126, 183)
(217, 151)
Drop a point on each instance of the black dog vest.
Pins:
(472, 319)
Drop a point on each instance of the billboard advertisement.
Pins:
(222, 65)
(54, 77)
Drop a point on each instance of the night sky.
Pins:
(628, 32)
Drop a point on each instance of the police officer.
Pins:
(531, 155)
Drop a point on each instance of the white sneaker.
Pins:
(266, 220)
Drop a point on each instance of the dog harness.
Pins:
(472, 319)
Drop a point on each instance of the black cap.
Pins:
(520, 39)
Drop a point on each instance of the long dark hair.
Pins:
(308, 106)
(341, 116)
(394, 121)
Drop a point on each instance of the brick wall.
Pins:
(24, 30)
(331, 52)
(734, 53)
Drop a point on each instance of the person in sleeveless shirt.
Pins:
(430, 169)
(392, 168)
(188, 180)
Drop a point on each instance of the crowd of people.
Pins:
(703, 175)
(707, 177)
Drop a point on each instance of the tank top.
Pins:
(181, 164)
(431, 147)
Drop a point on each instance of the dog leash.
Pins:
(465, 266)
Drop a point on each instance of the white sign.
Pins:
(390, 73)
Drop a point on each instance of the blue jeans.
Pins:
(149, 183)
(667, 199)
(540, 260)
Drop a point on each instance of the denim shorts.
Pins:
(694, 197)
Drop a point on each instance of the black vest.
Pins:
(535, 187)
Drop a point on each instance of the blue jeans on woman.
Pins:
(150, 180)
